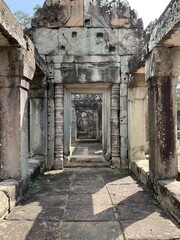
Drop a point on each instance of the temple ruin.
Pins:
(87, 70)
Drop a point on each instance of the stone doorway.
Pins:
(86, 117)
(86, 122)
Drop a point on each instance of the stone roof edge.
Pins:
(154, 34)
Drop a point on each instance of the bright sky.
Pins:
(147, 10)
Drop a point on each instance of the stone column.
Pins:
(115, 132)
(137, 117)
(15, 74)
(67, 121)
(162, 114)
(38, 117)
(106, 124)
(123, 121)
(59, 125)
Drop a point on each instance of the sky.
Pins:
(147, 10)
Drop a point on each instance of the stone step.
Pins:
(89, 161)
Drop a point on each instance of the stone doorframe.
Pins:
(105, 91)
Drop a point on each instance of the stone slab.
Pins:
(77, 189)
(42, 38)
(150, 229)
(91, 231)
(122, 181)
(89, 199)
(134, 211)
(4, 206)
(31, 213)
(90, 213)
(94, 41)
(45, 200)
(126, 190)
(28, 230)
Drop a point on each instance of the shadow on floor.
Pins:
(90, 204)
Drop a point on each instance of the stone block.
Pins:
(124, 153)
(50, 93)
(124, 142)
(129, 41)
(89, 72)
(57, 75)
(109, 59)
(124, 65)
(94, 230)
(46, 41)
(50, 105)
(56, 14)
(51, 148)
(123, 116)
(148, 228)
(89, 213)
(21, 229)
(123, 103)
(85, 41)
(123, 90)
(169, 196)
(4, 206)
(11, 190)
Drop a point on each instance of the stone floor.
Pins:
(88, 204)
(87, 154)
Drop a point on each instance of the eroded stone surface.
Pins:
(95, 215)
(91, 231)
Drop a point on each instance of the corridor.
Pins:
(88, 204)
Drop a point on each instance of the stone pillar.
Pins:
(51, 124)
(137, 117)
(115, 132)
(162, 114)
(123, 121)
(106, 124)
(15, 74)
(38, 117)
(67, 121)
(59, 126)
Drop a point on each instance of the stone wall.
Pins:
(84, 43)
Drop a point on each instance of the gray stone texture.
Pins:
(117, 208)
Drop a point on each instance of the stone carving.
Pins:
(97, 13)
(59, 13)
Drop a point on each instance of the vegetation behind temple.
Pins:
(24, 18)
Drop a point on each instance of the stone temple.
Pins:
(87, 72)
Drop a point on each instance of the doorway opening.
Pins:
(86, 117)
(86, 125)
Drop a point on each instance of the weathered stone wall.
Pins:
(87, 42)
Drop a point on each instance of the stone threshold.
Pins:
(167, 191)
(12, 190)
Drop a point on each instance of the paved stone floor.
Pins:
(88, 204)
(87, 154)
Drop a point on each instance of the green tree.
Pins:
(36, 8)
(178, 98)
(24, 18)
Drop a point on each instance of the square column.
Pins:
(162, 114)
(15, 74)
(137, 117)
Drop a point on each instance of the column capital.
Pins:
(163, 61)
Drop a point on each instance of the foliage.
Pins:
(24, 18)
(178, 98)
(36, 8)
